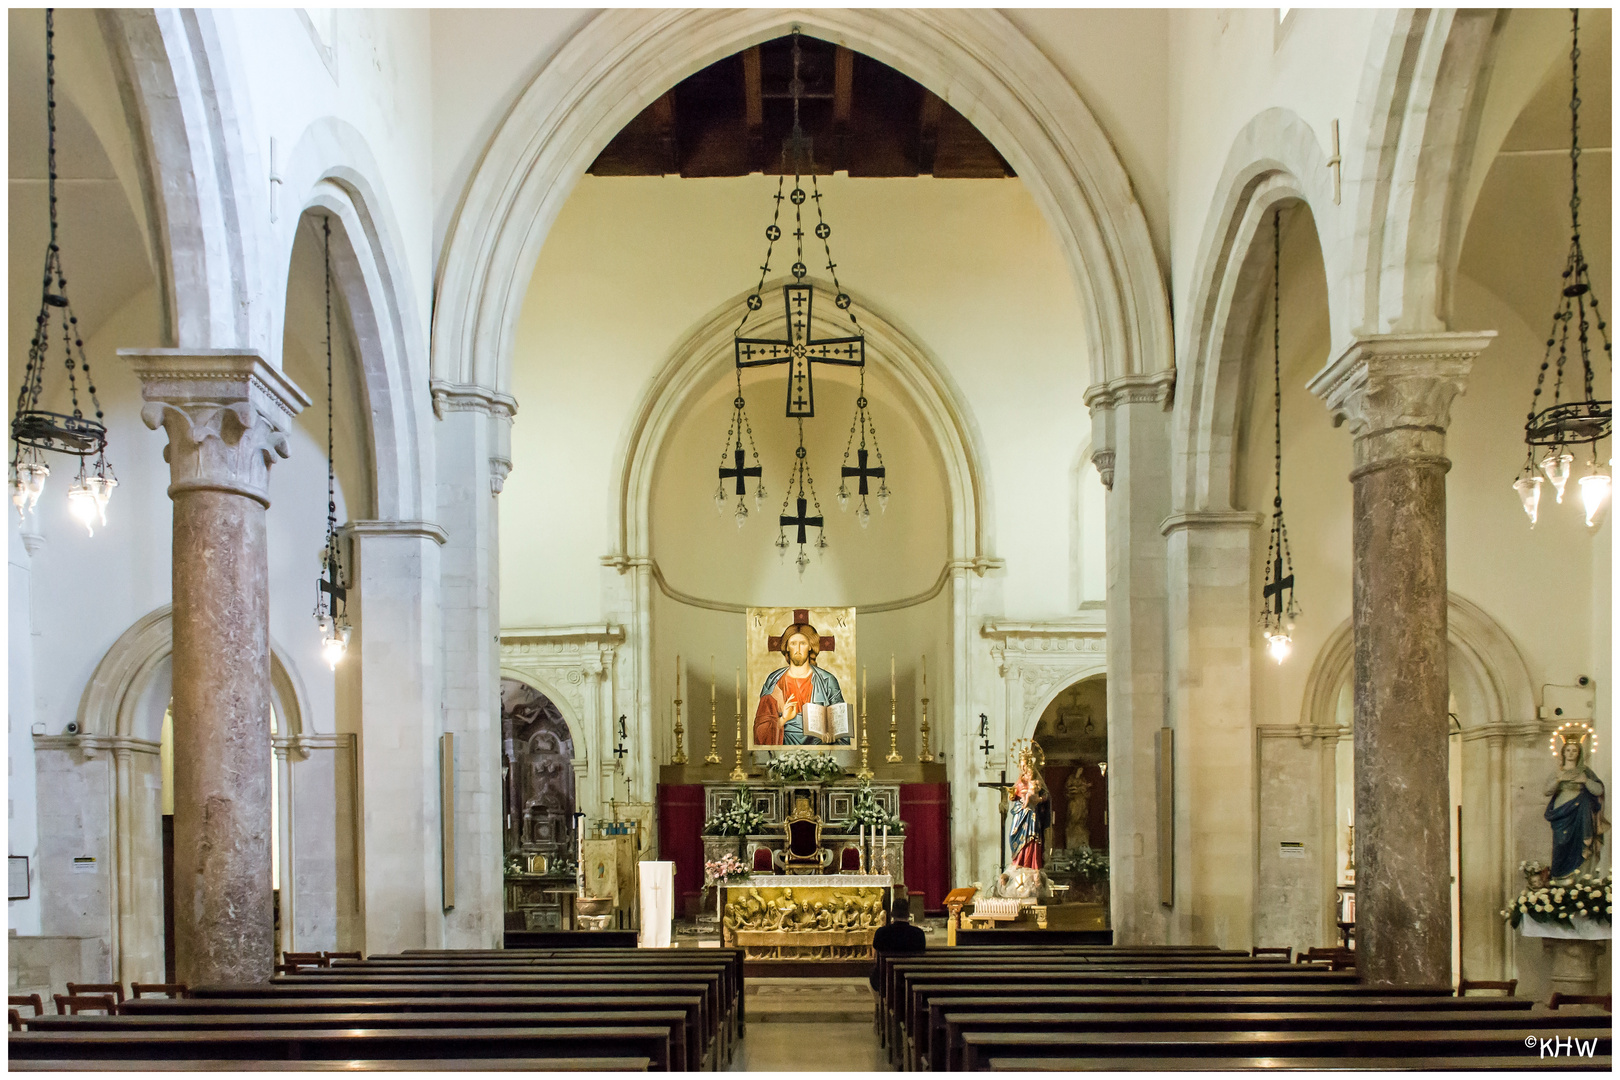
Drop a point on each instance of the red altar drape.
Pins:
(680, 839)
(926, 810)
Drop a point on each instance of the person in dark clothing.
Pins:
(899, 938)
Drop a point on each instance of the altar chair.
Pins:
(762, 860)
(803, 853)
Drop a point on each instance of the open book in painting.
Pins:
(827, 724)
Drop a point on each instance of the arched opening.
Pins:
(1073, 734)
(539, 802)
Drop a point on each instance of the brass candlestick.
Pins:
(865, 771)
(713, 757)
(737, 772)
(925, 754)
(894, 723)
(679, 757)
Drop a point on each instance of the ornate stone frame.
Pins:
(1039, 660)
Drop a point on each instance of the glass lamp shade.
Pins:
(759, 496)
(1556, 466)
(863, 515)
(82, 505)
(334, 641)
(1279, 645)
(883, 498)
(101, 488)
(29, 485)
(742, 514)
(843, 497)
(1595, 490)
(1529, 489)
(720, 499)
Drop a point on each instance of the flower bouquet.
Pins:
(803, 765)
(728, 869)
(1589, 896)
(867, 811)
(741, 818)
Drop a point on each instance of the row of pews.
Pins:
(1038, 1008)
(568, 1010)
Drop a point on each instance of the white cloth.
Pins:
(1579, 927)
(805, 881)
(657, 903)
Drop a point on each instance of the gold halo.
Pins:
(1562, 733)
(1031, 749)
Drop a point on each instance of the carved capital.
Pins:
(227, 415)
(1104, 460)
(1396, 392)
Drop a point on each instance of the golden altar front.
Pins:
(805, 916)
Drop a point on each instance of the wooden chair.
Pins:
(803, 853)
(74, 1004)
(1284, 951)
(1507, 987)
(81, 989)
(762, 860)
(173, 990)
(16, 1019)
(31, 1000)
(850, 859)
(305, 959)
(331, 956)
(1603, 1001)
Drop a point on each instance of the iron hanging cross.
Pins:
(331, 584)
(621, 750)
(801, 520)
(1274, 590)
(740, 472)
(799, 351)
(861, 470)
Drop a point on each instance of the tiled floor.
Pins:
(809, 1025)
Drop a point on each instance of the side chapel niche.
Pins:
(1073, 734)
(537, 770)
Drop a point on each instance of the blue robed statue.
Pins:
(1575, 811)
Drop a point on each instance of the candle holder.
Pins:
(925, 754)
(737, 771)
(894, 735)
(679, 757)
(713, 757)
(865, 771)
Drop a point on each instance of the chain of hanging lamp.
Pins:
(1278, 604)
(331, 590)
(1584, 420)
(801, 509)
(35, 430)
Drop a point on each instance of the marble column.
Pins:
(1396, 392)
(227, 415)
(1130, 419)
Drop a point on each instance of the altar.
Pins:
(805, 916)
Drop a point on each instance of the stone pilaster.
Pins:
(394, 604)
(227, 415)
(1396, 392)
(1211, 632)
(474, 441)
(1130, 420)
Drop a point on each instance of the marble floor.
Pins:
(809, 1025)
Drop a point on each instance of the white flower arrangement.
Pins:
(801, 764)
(741, 818)
(1589, 896)
(866, 810)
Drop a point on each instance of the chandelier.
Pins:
(1578, 421)
(799, 350)
(36, 431)
(1277, 618)
(331, 590)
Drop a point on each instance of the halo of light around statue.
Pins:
(1560, 735)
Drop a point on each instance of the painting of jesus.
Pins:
(801, 702)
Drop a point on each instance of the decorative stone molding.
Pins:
(227, 414)
(1104, 460)
(1155, 388)
(426, 530)
(568, 661)
(456, 397)
(1210, 519)
(91, 745)
(1396, 391)
(1036, 660)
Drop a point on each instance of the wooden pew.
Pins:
(683, 1056)
(1269, 1063)
(443, 1065)
(158, 1048)
(1185, 1049)
(1354, 1024)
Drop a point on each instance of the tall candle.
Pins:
(739, 691)
(711, 680)
(892, 694)
(925, 674)
(677, 674)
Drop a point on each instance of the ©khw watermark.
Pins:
(1562, 1047)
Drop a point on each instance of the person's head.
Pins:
(800, 644)
(900, 910)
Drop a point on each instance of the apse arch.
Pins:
(579, 732)
(1275, 161)
(621, 60)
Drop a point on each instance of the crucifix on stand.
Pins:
(799, 351)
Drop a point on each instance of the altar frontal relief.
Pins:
(801, 671)
(817, 922)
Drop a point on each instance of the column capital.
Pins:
(1158, 388)
(1396, 391)
(424, 530)
(227, 414)
(1211, 519)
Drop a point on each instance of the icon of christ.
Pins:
(801, 704)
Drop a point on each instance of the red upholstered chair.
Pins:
(762, 860)
(850, 860)
(803, 853)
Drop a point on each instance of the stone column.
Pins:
(227, 415)
(1130, 420)
(1396, 391)
(474, 444)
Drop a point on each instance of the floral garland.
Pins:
(741, 818)
(867, 811)
(804, 765)
(1589, 896)
(727, 868)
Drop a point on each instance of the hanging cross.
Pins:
(330, 586)
(801, 521)
(862, 471)
(739, 472)
(1278, 584)
(799, 350)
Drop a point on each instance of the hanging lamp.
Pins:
(1557, 428)
(36, 431)
(331, 589)
(1278, 614)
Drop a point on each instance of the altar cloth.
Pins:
(810, 881)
